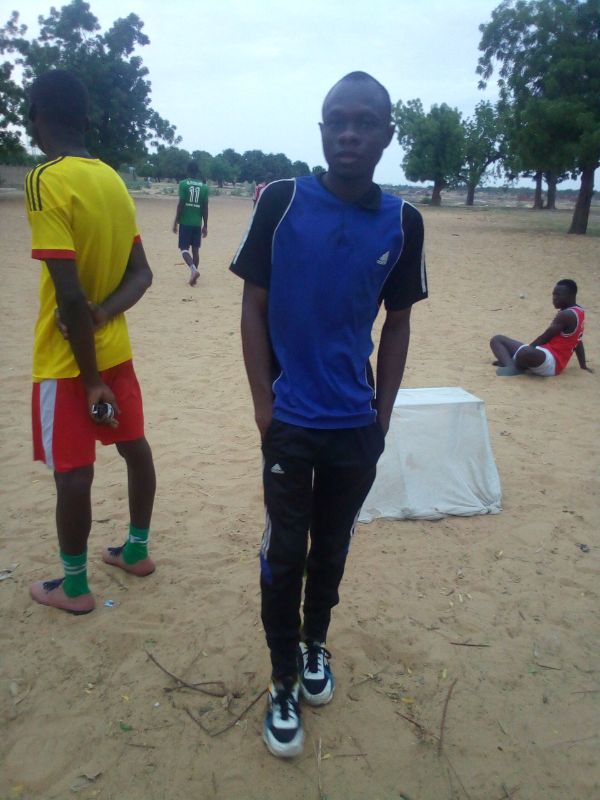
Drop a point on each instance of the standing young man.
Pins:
(93, 268)
(320, 256)
(551, 351)
(192, 212)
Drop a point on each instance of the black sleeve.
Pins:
(407, 282)
(252, 262)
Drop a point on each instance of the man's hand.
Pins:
(204, 231)
(101, 393)
(97, 313)
(263, 418)
(384, 424)
(174, 227)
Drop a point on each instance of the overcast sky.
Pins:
(252, 74)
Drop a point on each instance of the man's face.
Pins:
(355, 130)
(561, 297)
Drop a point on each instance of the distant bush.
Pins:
(425, 201)
(213, 191)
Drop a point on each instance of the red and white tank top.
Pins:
(562, 345)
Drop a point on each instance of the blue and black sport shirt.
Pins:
(328, 265)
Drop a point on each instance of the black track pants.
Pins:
(314, 480)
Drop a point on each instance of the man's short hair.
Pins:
(193, 169)
(568, 284)
(61, 98)
(364, 77)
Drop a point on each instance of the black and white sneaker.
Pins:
(282, 731)
(316, 679)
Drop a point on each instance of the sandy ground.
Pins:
(80, 697)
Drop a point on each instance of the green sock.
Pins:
(75, 567)
(136, 546)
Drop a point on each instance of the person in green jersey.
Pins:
(192, 218)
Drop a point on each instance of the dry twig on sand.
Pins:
(230, 724)
(318, 759)
(444, 712)
(197, 687)
(508, 794)
(469, 644)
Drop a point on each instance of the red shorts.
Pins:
(64, 434)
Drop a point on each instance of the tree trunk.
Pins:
(537, 198)
(551, 195)
(470, 194)
(436, 195)
(581, 214)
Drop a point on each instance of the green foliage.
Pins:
(547, 55)
(204, 161)
(227, 167)
(223, 170)
(11, 94)
(300, 168)
(433, 143)
(482, 145)
(256, 166)
(122, 120)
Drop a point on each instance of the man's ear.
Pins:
(390, 133)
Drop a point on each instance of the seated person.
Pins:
(549, 354)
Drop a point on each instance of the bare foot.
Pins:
(51, 593)
(194, 277)
(113, 557)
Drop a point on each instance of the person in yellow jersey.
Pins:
(93, 268)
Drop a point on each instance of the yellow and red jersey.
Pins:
(80, 210)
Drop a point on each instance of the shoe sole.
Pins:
(316, 699)
(141, 569)
(78, 606)
(291, 751)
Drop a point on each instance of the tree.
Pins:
(482, 146)
(548, 57)
(278, 165)
(433, 144)
(235, 161)
(122, 120)
(205, 162)
(11, 95)
(300, 168)
(171, 162)
(318, 170)
(222, 170)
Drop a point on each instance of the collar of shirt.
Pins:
(371, 199)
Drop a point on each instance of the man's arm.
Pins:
(391, 359)
(178, 213)
(205, 218)
(75, 314)
(580, 353)
(256, 347)
(561, 323)
(136, 280)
